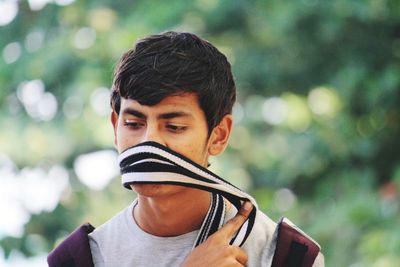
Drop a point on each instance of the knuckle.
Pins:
(238, 219)
(228, 251)
(212, 238)
(233, 250)
(245, 257)
(235, 220)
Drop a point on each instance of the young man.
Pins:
(172, 100)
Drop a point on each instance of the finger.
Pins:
(241, 256)
(234, 224)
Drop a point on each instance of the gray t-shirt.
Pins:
(120, 242)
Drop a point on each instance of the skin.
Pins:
(179, 123)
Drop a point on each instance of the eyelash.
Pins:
(133, 125)
(171, 127)
(176, 128)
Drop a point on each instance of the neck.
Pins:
(172, 215)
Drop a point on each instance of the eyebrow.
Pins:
(171, 115)
(168, 115)
(133, 112)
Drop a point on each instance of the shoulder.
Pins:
(260, 245)
(293, 246)
(263, 232)
(74, 250)
(319, 261)
(111, 228)
(267, 236)
(77, 248)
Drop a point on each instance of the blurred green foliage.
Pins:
(318, 113)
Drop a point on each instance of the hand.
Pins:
(216, 251)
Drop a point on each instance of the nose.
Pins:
(152, 134)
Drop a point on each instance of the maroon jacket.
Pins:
(74, 251)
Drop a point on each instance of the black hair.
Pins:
(174, 63)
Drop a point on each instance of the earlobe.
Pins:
(220, 136)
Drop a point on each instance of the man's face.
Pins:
(177, 122)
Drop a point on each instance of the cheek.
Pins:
(196, 152)
(124, 140)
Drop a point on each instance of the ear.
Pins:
(114, 122)
(220, 135)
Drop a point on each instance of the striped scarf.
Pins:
(151, 162)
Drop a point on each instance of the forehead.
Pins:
(187, 102)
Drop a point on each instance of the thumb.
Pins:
(234, 224)
(245, 209)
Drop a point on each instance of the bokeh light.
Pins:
(99, 100)
(73, 107)
(8, 11)
(34, 41)
(12, 52)
(96, 169)
(40, 105)
(274, 110)
(84, 38)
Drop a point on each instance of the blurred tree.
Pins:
(317, 121)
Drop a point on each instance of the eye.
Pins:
(134, 125)
(176, 128)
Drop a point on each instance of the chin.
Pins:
(156, 190)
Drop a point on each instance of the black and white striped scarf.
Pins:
(151, 162)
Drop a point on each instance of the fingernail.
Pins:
(247, 206)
